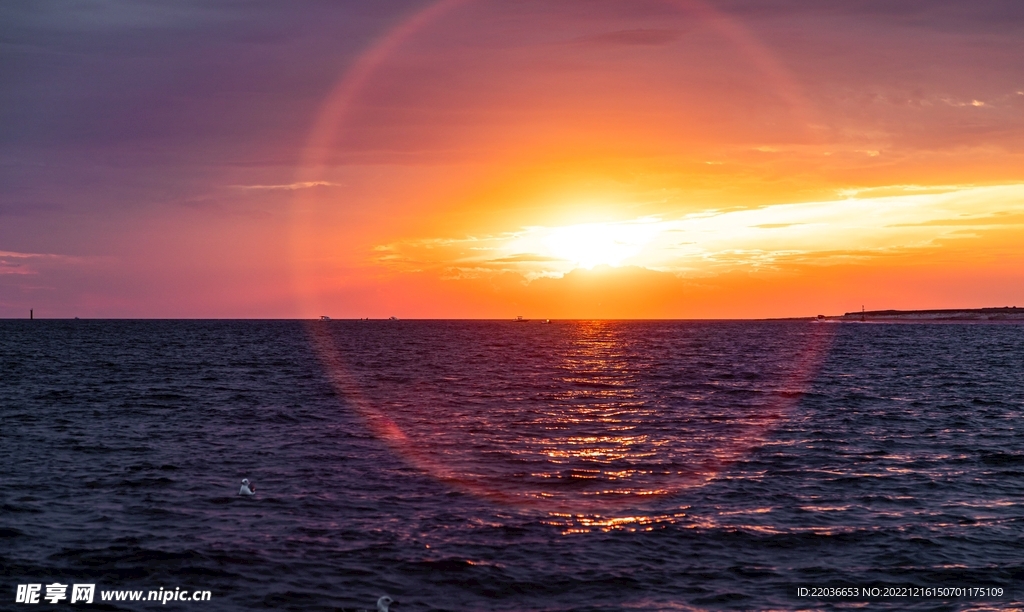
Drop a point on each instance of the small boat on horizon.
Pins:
(520, 320)
(325, 318)
(392, 318)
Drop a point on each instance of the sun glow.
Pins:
(713, 242)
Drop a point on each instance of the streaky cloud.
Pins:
(289, 186)
(14, 262)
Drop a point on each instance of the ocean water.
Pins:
(492, 465)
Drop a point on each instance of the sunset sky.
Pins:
(487, 159)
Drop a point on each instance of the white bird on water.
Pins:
(247, 489)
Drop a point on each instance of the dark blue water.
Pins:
(507, 466)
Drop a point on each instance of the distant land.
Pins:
(1005, 313)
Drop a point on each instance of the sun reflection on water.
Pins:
(581, 416)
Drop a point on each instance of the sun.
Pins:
(592, 245)
(587, 245)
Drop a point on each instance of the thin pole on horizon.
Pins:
(31, 314)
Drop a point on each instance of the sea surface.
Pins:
(493, 465)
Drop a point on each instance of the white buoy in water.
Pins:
(247, 489)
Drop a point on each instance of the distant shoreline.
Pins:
(1005, 313)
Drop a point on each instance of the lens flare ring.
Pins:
(588, 248)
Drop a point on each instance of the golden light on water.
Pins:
(609, 431)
